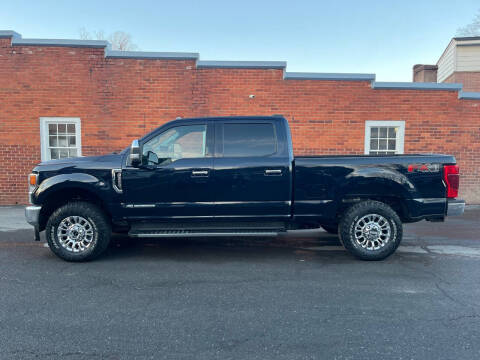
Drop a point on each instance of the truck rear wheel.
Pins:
(371, 230)
(78, 231)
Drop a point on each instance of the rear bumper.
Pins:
(455, 207)
(32, 214)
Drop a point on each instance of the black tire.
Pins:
(359, 243)
(92, 221)
(331, 229)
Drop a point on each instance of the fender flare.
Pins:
(376, 184)
(62, 182)
(368, 181)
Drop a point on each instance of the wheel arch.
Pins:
(63, 195)
(380, 184)
(397, 204)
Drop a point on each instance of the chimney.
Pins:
(425, 73)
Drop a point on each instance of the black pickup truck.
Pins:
(235, 176)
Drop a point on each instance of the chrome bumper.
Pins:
(455, 207)
(32, 213)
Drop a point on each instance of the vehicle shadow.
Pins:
(223, 249)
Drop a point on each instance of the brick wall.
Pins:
(470, 80)
(121, 99)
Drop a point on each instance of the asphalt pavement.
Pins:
(286, 298)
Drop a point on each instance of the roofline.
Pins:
(466, 38)
(5, 34)
(469, 95)
(61, 42)
(241, 64)
(328, 76)
(17, 40)
(416, 86)
(115, 54)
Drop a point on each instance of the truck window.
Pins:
(177, 143)
(248, 140)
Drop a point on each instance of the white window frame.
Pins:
(45, 121)
(400, 141)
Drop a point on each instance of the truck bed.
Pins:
(328, 182)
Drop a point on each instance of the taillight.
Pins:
(451, 175)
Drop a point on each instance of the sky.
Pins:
(384, 37)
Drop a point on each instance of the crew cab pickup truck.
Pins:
(236, 177)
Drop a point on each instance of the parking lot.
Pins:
(287, 298)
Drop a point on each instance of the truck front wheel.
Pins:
(78, 231)
(370, 230)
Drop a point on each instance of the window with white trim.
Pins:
(384, 137)
(60, 137)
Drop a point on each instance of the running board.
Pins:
(201, 233)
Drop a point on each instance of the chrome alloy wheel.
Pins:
(372, 231)
(75, 234)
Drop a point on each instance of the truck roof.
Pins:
(220, 118)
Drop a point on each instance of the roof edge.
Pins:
(6, 34)
(61, 42)
(204, 64)
(416, 86)
(151, 55)
(466, 95)
(328, 76)
(466, 38)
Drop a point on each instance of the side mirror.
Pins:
(134, 157)
(152, 158)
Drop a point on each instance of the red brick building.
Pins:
(72, 97)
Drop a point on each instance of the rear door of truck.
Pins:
(252, 169)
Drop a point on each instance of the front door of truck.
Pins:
(175, 178)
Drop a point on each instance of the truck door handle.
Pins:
(200, 173)
(270, 172)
